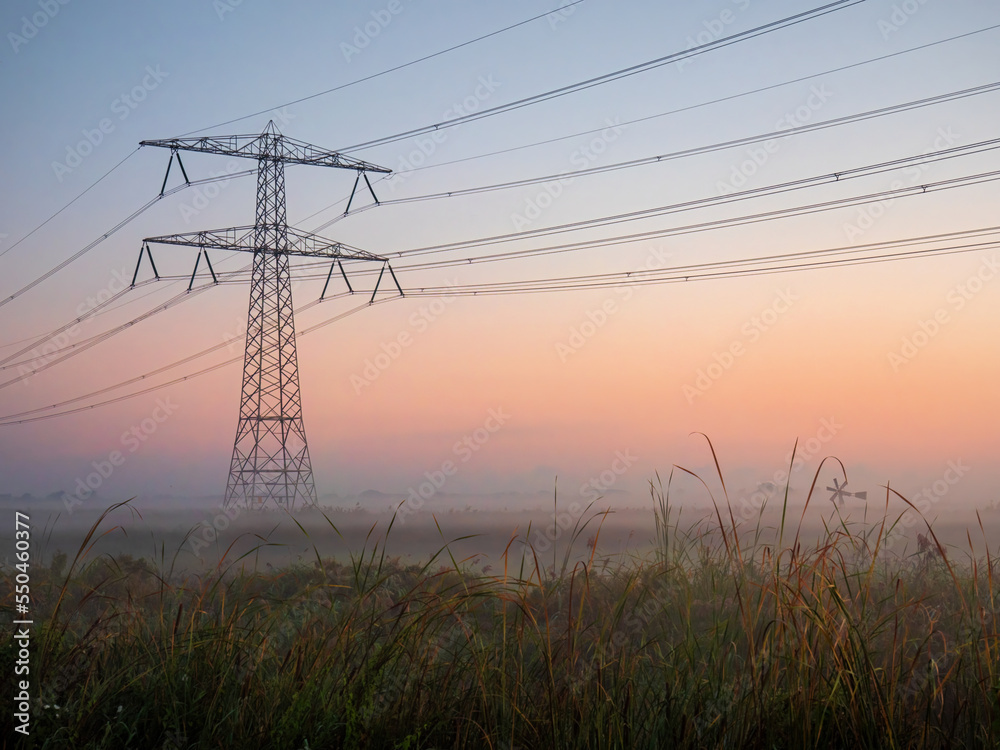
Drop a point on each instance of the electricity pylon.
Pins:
(270, 456)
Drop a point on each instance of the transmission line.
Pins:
(153, 373)
(104, 311)
(610, 77)
(387, 71)
(120, 225)
(798, 261)
(767, 190)
(717, 224)
(691, 107)
(181, 379)
(745, 141)
(762, 89)
(705, 202)
(101, 337)
(90, 187)
(740, 263)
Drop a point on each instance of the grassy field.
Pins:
(728, 634)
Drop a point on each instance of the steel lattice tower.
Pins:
(270, 459)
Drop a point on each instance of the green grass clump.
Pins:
(727, 637)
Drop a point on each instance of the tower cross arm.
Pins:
(267, 145)
(245, 239)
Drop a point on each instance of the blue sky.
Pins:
(157, 70)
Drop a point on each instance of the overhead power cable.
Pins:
(499, 288)
(596, 280)
(699, 105)
(46, 363)
(802, 260)
(740, 263)
(524, 146)
(802, 210)
(745, 141)
(104, 311)
(626, 123)
(40, 341)
(38, 352)
(808, 260)
(824, 179)
(120, 225)
(90, 187)
(912, 190)
(79, 254)
(387, 71)
(609, 77)
(151, 373)
(184, 378)
(313, 272)
(44, 360)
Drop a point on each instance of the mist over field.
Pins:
(196, 533)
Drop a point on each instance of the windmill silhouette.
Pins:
(839, 492)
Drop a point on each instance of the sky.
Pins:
(889, 367)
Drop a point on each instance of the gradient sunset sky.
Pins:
(891, 367)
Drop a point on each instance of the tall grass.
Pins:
(731, 635)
